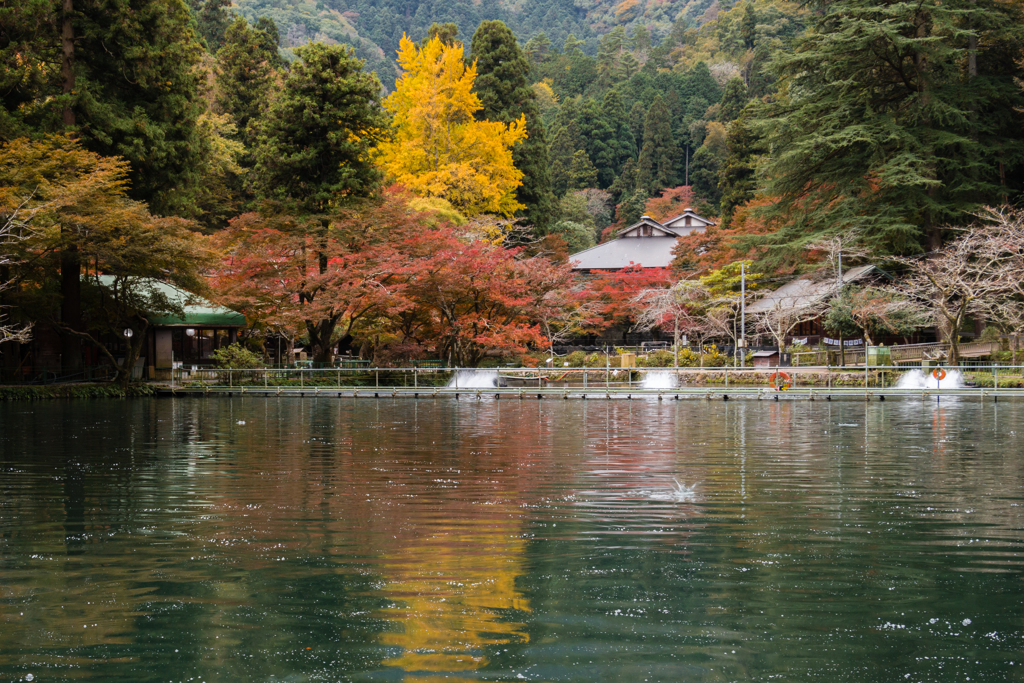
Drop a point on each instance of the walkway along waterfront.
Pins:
(823, 383)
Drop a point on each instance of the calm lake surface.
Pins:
(293, 539)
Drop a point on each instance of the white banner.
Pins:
(846, 342)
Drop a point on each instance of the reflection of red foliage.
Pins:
(615, 290)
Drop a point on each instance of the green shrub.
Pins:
(576, 359)
(237, 357)
(657, 359)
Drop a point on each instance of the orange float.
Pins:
(939, 374)
(779, 381)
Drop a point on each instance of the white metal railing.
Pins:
(875, 376)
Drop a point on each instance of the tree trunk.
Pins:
(132, 352)
(70, 267)
(71, 308)
(320, 340)
(929, 226)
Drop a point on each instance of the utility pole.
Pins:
(687, 183)
(839, 292)
(743, 316)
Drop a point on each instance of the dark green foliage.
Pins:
(448, 33)
(135, 94)
(705, 167)
(632, 208)
(315, 143)
(600, 143)
(622, 143)
(582, 173)
(885, 126)
(212, 19)
(748, 26)
(734, 98)
(504, 89)
(656, 166)
(626, 182)
(737, 180)
(565, 142)
(245, 74)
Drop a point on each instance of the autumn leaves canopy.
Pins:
(439, 149)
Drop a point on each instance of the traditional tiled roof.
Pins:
(804, 292)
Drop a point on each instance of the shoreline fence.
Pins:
(880, 377)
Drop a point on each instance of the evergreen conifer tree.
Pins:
(505, 93)
(897, 119)
(244, 76)
(582, 173)
(316, 141)
(656, 166)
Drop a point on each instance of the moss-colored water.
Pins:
(348, 540)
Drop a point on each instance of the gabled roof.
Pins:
(804, 292)
(657, 228)
(678, 223)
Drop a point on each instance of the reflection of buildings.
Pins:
(453, 591)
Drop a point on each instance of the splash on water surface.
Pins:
(659, 380)
(474, 379)
(916, 379)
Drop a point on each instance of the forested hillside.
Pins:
(374, 27)
(311, 142)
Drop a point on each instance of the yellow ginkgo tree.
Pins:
(438, 148)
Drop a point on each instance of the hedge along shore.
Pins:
(51, 391)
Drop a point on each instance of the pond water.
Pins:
(424, 540)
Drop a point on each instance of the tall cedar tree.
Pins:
(566, 140)
(123, 79)
(599, 142)
(737, 180)
(439, 148)
(316, 140)
(505, 93)
(314, 156)
(659, 152)
(624, 145)
(213, 17)
(245, 76)
(897, 118)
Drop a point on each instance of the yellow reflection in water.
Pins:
(452, 590)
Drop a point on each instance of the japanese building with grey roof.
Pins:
(646, 244)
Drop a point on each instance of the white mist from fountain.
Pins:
(916, 379)
(659, 380)
(474, 379)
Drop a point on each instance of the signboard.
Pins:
(846, 342)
